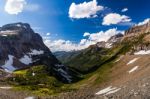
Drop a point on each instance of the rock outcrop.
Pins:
(111, 42)
(21, 47)
(138, 29)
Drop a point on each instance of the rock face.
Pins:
(111, 42)
(141, 31)
(116, 38)
(138, 30)
(20, 47)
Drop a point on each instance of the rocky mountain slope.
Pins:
(89, 59)
(125, 76)
(21, 47)
(118, 71)
(133, 40)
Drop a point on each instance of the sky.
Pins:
(67, 25)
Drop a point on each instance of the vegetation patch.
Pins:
(37, 81)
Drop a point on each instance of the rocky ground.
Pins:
(130, 79)
(127, 82)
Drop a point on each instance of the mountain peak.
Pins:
(21, 47)
(138, 29)
(14, 26)
(15, 29)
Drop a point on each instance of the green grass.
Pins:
(20, 72)
(40, 84)
(91, 59)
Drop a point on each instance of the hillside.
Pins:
(125, 76)
(65, 56)
(119, 71)
(89, 59)
(21, 48)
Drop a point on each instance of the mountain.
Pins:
(115, 69)
(64, 56)
(135, 39)
(89, 59)
(21, 47)
(117, 72)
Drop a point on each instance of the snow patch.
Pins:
(118, 59)
(132, 61)
(6, 31)
(108, 45)
(67, 77)
(64, 74)
(26, 60)
(113, 91)
(30, 97)
(133, 69)
(62, 71)
(25, 27)
(8, 66)
(5, 87)
(4, 35)
(142, 52)
(36, 52)
(108, 90)
(18, 25)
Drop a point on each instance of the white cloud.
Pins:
(103, 36)
(48, 34)
(84, 10)
(86, 34)
(61, 45)
(93, 38)
(114, 18)
(144, 22)
(124, 10)
(14, 6)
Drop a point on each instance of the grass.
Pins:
(20, 72)
(43, 84)
(40, 84)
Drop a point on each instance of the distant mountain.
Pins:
(117, 68)
(64, 56)
(21, 47)
(135, 39)
(87, 60)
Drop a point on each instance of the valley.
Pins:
(98, 72)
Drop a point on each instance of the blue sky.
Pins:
(53, 17)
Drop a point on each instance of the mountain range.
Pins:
(115, 69)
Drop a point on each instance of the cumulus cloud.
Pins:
(86, 34)
(144, 22)
(124, 10)
(92, 38)
(103, 36)
(61, 45)
(14, 6)
(48, 34)
(114, 18)
(84, 10)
